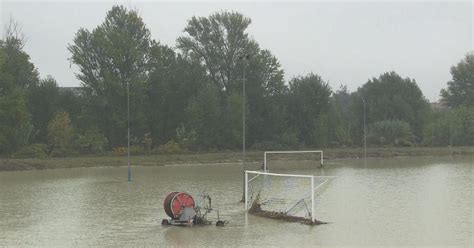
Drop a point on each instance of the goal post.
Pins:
(290, 152)
(282, 196)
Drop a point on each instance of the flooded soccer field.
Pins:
(405, 201)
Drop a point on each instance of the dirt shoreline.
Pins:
(228, 157)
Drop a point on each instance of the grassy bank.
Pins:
(220, 157)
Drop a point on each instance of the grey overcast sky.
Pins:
(344, 42)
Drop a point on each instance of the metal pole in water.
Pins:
(312, 199)
(246, 189)
(265, 161)
(128, 133)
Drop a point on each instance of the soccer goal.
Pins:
(287, 197)
(265, 155)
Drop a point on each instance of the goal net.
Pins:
(315, 158)
(287, 197)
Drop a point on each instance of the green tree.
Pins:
(308, 106)
(232, 121)
(265, 97)
(13, 112)
(203, 114)
(17, 62)
(17, 75)
(222, 45)
(391, 97)
(440, 130)
(390, 132)
(115, 54)
(91, 141)
(43, 103)
(218, 41)
(463, 126)
(460, 90)
(341, 117)
(173, 81)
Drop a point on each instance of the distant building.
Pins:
(77, 91)
(439, 105)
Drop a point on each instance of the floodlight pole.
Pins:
(243, 118)
(243, 57)
(128, 132)
(365, 135)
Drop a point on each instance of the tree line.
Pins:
(189, 98)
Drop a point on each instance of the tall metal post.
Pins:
(365, 136)
(128, 133)
(312, 199)
(243, 118)
(244, 57)
(246, 190)
(265, 161)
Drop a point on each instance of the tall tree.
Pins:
(391, 97)
(308, 106)
(218, 41)
(221, 43)
(17, 75)
(18, 65)
(13, 107)
(265, 91)
(341, 117)
(204, 115)
(43, 103)
(173, 81)
(460, 89)
(112, 56)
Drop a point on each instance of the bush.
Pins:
(91, 142)
(186, 138)
(437, 133)
(119, 151)
(62, 152)
(390, 132)
(134, 150)
(32, 151)
(138, 150)
(60, 131)
(169, 148)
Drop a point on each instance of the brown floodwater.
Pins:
(406, 201)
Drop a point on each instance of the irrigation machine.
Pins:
(183, 210)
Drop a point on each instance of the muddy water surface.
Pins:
(408, 201)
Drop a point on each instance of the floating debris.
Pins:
(256, 209)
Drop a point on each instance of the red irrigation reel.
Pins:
(183, 210)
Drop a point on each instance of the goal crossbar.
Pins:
(289, 152)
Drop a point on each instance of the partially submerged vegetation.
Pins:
(219, 157)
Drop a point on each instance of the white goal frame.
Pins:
(260, 173)
(289, 152)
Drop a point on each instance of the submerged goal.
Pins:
(265, 168)
(287, 197)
